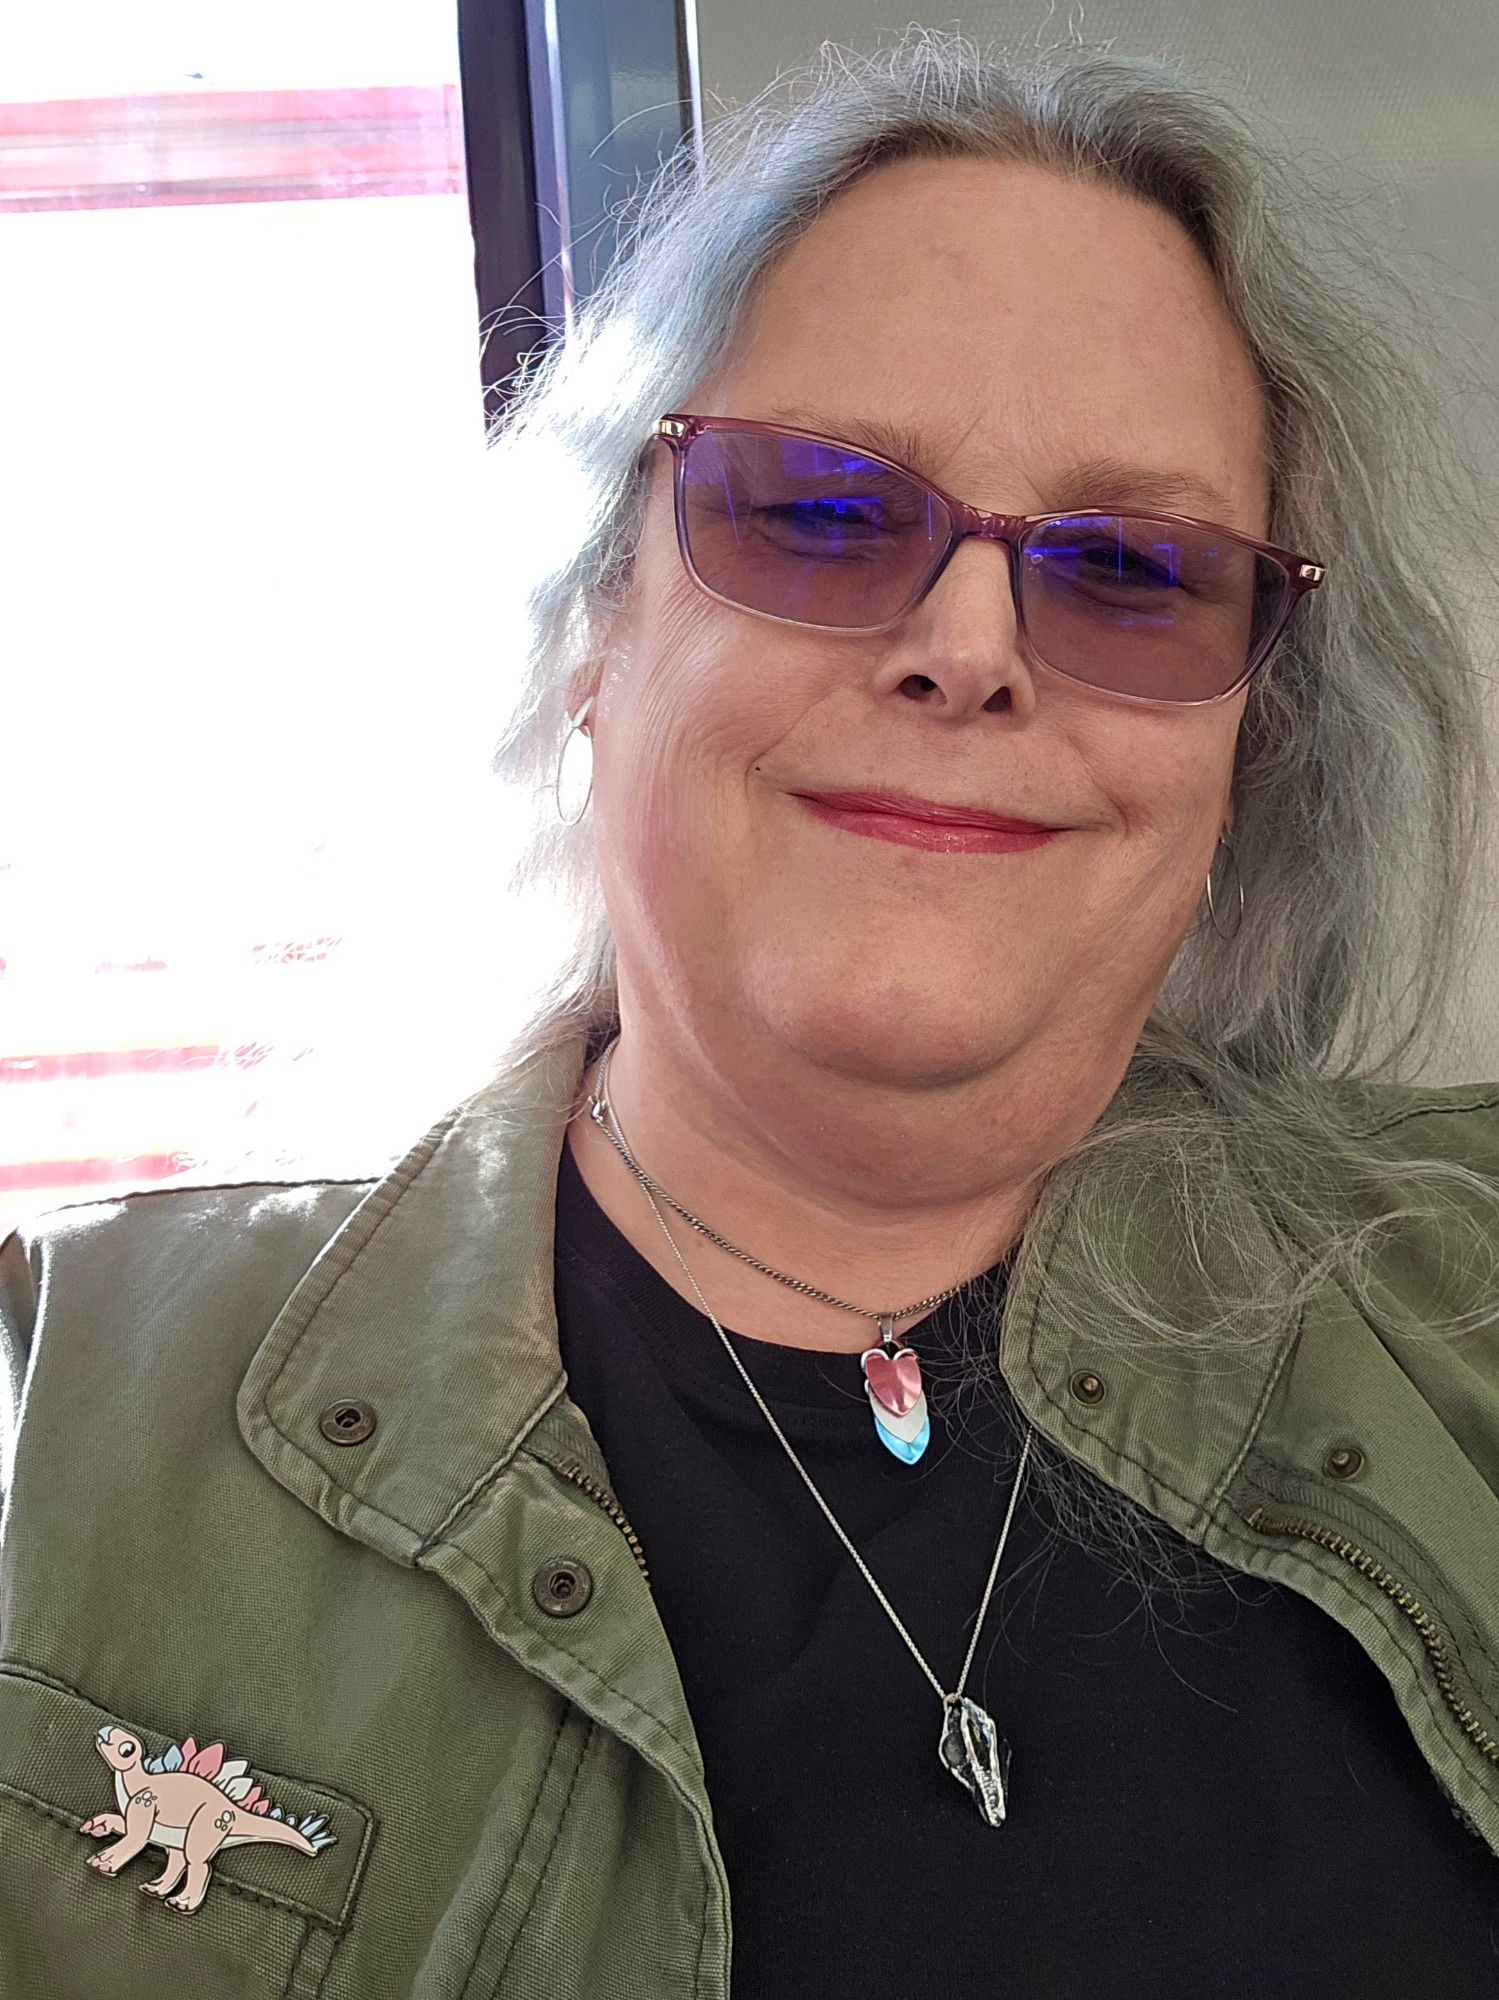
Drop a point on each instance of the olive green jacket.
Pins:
(292, 1470)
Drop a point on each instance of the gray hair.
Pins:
(1361, 778)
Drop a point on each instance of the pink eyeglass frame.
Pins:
(679, 427)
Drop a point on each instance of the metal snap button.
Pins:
(562, 1587)
(1344, 1462)
(348, 1421)
(1087, 1387)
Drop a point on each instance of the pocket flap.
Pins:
(49, 1758)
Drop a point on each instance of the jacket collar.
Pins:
(434, 1303)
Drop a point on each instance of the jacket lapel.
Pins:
(433, 1305)
(433, 1302)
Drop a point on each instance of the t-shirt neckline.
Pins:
(686, 1348)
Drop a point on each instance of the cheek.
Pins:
(682, 688)
(706, 693)
(1167, 789)
(666, 783)
(664, 634)
(1169, 775)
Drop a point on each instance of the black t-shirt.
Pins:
(1212, 1789)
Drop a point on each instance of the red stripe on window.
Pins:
(25, 1175)
(191, 147)
(87, 1063)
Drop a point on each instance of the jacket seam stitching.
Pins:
(637, 1706)
(29, 1224)
(1196, 1509)
(357, 1244)
(434, 1139)
(702, 1946)
(1215, 1499)
(464, 1555)
(541, 1873)
(494, 1915)
(1395, 1533)
(1391, 1527)
(490, 1474)
(297, 1963)
(1410, 1111)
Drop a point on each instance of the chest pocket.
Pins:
(271, 1919)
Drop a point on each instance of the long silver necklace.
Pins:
(969, 1745)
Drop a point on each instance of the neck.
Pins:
(880, 1195)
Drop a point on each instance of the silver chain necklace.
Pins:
(969, 1746)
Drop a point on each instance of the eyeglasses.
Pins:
(810, 530)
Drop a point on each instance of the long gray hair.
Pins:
(1361, 778)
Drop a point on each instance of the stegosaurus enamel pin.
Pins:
(190, 1802)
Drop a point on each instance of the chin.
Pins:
(893, 1036)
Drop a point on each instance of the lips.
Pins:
(903, 806)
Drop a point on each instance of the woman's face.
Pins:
(1017, 322)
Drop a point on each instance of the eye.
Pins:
(827, 516)
(1114, 560)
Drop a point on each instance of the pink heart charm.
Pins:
(897, 1383)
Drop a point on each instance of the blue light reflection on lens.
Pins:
(1149, 566)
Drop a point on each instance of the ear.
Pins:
(587, 678)
(582, 685)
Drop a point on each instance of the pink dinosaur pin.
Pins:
(191, 1803)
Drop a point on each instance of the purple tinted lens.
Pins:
(1149, 607)
(806, 531)
(825, 536)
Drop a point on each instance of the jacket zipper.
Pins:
(570, 1469)
(1267, 1523)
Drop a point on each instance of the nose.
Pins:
(961, 650)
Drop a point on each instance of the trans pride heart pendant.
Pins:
(892, 1381)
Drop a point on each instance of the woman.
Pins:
(602, 1522)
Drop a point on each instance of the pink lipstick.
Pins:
(940, 829)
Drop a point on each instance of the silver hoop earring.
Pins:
(1212, 912)
(575, 730)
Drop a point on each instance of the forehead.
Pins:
(1020, 338)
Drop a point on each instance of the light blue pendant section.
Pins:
(908, 1453)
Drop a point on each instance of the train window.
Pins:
(245, 646)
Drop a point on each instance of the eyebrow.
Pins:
(1100, 479)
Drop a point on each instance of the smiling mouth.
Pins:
(903, 806)
(935, 836)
